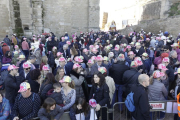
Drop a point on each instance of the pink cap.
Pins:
(138, 60)
(147, 39)
(78, 59)
(166, 59)
(24, 86)
(45, 67)
(16, 46)
(11, 67)
(59, 53)
(94, 50)
(76, 65)
(63, 38)
(93, 58)
(90, 61)
(68, 42)
(62, 59)
(162, 67)
(85, 50)
(116, 47)
(157, 74)
(26, 65)
(99, 57)
(128, 46)
(91, 46)
(130, 53)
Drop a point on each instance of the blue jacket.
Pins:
(60, 46)
(5, 109)
(1, 53)
(147, 63)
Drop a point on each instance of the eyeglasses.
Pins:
(27, 68)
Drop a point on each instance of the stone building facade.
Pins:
(28, 17)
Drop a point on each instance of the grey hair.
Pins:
(142, 78)
(65, 45)
(120, 59)
(171, 53)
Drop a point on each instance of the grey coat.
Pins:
(157, 91)
(37, 53)
(78, 82)
(55, 114)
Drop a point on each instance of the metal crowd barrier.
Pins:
(158, 106)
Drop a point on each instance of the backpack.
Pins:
(129, 102)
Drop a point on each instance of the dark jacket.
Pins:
(117, 70)
(60, 46)
(50, 45)
(56, 96)
(5, 111)
(34, 85)
(7, 41)
(51, 60)
(21, 66)
(147, 64)
(141, 103)
(55, 114)
(131, 76)
(140, 52)
(12, 86)
(6, 60)
(170, 73)
(67, 55)
(73, 113)
(23, 75)
(44, 90)
(101, 95)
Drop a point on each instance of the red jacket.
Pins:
(5, 48)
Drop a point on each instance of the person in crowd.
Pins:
(77, 75)
(13, 40)
(7, 41)
(157, 91)
(27, 103)
(109, 81)
(62, 63)
(80, 107)
(46, 85)
(85, 54)
(65, 51)
(60, 74)
(15, 58)
(130, 57)
(174, 63)
(35, 43)
(100, 92)
(37, 53)
(5, 48)
(140, 97)
(26, 70)
(50, 110)
(73, 53)
(55, 93)
(25, 47)
(68, 92)
(51, 58)
(139, 50)
(116, 72)
(44, 61)
(59, 54)
(22, 59)
(49, 45)
(60, 46)
(31, 61)
(7, 58)
(34, 80)
(5, 107)
(12, 82)
(146, 61)
(45, 71)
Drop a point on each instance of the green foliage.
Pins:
(174, 10)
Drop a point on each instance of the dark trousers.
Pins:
(26, 53)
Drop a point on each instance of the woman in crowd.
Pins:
(80, 107)
(7, 58)
(68, 92)
(73, 53)
(78, 78)
(44, 61)
(50, 110)
(100, 92)
(51, 58)
(60, 74)
(35, 76)
(4, 107)
(46, 85)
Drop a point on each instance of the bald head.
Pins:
(143, 80)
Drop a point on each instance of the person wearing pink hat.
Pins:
(58, 55)
(86, 55)
(11, 83)
(26, 70)
(26, 100)
(157, 91)
(45, 71)
(77, 75)
(66, 66)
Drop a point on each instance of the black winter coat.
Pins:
(101, 95)
(34, 85)
(57, 97)
(141, 103)
(140, 52)
(12, 86)
(51, 60)
(117, 70)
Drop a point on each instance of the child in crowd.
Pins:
(56, 94)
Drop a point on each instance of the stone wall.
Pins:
(170, 24)
(4, 19)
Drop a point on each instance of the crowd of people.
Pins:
(43, 76)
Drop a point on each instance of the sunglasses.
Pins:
(27, 68)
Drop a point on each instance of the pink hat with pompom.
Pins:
(59, 53)
(138, 60)
(62, 59)
(45, 67)
(78, 59)
(99, 57)
(76, 65)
